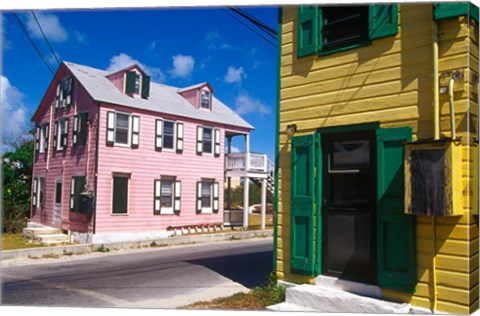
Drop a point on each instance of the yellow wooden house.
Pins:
(377, 148)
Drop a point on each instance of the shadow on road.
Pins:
(249, 270)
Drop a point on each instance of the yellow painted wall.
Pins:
(390, 82)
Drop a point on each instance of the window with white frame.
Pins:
(208, 140)
(207, 196)
(168, 135)
(41, 137)
(37, 192)
(167, 193)
(205, 99)
(123, 129)
(64, 93)
(61, 134)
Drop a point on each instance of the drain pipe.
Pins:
(452, 109)
(436, 136)
(436, 85)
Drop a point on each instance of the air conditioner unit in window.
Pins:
(433, 178)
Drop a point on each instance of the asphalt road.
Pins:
(149, 278)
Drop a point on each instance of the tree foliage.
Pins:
(255, 195)
(17, 180)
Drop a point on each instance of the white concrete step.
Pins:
(33, 232)
(53, 239)
(324, 299)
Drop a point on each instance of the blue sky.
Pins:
(178, 47)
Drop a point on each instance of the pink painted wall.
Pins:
(56, 165)
(191, 96)
(118, 80)
(144, 164)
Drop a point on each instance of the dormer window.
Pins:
(137, 84)
(205, 99)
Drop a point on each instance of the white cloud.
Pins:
(244, 104)
(51, 26)
(234, 74)
(123, 60)
(14, 112)
(214, 41)
(182, 66)
(235, 149)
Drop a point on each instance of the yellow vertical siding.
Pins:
(390, 82)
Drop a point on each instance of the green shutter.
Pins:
(449, 10)
(82, 125)
(305, 156)
(307, 30)
(446, 10)
(145, 86)
(120, 195)
(79, 185)
(383, 20)
(130, 82)
(395, 230)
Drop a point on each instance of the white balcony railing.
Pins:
(248, 162)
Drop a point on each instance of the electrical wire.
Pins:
(45, 38)
(247, 26)
(267, 29)
(22, 26)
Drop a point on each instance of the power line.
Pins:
(45, 38)
(22, 26)
(267, 29)
(266, 39)
(253, 30)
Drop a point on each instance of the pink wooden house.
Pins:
(118, 155)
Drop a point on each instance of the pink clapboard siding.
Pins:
(61, 165)
(192, 96)
(144, 164)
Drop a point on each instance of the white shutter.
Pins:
(177, 196)
(65, 134)
(199, 140)
(158, 134)
(215, 197)
(135, 130)
(57, 97)
(55, 136)
(37, 138)
(34, 195)
(72, 194)
(179, 137)
(75, 130)
(110, 128)
(217, 142)
(45, 143)
(199, 196)
(157, 196)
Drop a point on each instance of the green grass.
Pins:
(257, 299)
(16, 241)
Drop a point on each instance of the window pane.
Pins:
(207, 140)
(167, 193)
(168, 134)
(137, 83)
(120, 195)
(58, 193)
(351, 155)
(121, 129)
(206, 194)
(205, 99)
(343, 26)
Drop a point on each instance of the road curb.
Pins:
(43, 252)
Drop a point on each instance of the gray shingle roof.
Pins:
(163, 99)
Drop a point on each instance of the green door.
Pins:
(395, 230)
(304, 232)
